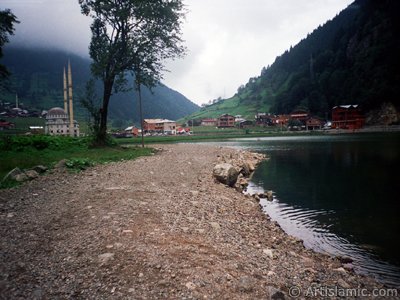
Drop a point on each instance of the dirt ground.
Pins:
(158, 227)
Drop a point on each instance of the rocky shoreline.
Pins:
(159, 227)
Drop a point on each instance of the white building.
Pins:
(169, 127)
(57, 123)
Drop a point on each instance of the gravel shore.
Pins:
(158, 227)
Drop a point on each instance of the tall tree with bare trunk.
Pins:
(131, 36)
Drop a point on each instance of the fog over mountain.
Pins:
(229, 41)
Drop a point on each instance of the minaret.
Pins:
(65, 93)
(71, 109)
(16, 100)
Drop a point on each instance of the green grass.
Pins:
(25, 152)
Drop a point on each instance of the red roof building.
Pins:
(347, 117)
(226, 121)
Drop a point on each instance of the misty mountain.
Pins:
(37, 78)
(352, 59)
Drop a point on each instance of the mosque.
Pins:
(61, 121)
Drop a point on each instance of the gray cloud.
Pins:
(229, 41)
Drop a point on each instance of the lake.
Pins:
(338, 193)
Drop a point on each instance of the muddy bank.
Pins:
(154, 228)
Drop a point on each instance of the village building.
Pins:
(183, 130)
(209, 122)
(281, 120)
(6, 125)
(159, 126)
(314, 124)
(131, 131)
(226, 120)
(264, 119)
(300, 115)
(347, 117)
(245, 124)
(58, 123)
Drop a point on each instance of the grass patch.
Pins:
(27, 151)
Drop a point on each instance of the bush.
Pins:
(79, 163)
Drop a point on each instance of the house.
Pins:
(6, 125)
(314, 124)
(209, 122)
(281, 120)
(159, 126)
(347, 117)
(264, 119)
(300, 115)
(58, 123)
(226, 120)
(245, 124)
(169, 127)
(183, 130)
(131, 131)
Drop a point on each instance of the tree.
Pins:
(7, 21)
(131, 36)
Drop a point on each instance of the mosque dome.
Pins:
(56, 112)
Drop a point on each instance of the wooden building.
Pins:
(209, 122)
(226, 120)
(159, 126)
(314, 124)
(347, 117)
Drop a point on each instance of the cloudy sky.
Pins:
(228, 41)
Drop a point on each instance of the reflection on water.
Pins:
(339, 194)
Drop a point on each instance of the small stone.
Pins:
(190, 285)
(348, 267)
(340, 270)
(194, 193)
(215, 225)
(105, 257)
(276, 294)
(271, 273)
(343, 283)
(345, 260)
(127, 231)
(246, 284)
(268, 252)
(10, 215)
(141, 275)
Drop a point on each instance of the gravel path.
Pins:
(154, 228)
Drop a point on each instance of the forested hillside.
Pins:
(354, 58)
(37, 78)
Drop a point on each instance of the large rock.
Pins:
(39, 169)
(226, 174)
(13, 174)
(31, 174)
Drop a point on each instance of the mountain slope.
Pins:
(351, 59)
(37, 78)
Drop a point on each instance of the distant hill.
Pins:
(37, 78)
(354, 58)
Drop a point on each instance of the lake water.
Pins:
(338, 193)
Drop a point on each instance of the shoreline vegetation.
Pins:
(27, 151)
(158, 227)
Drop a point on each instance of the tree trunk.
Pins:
(139, 91)
(102, 134)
